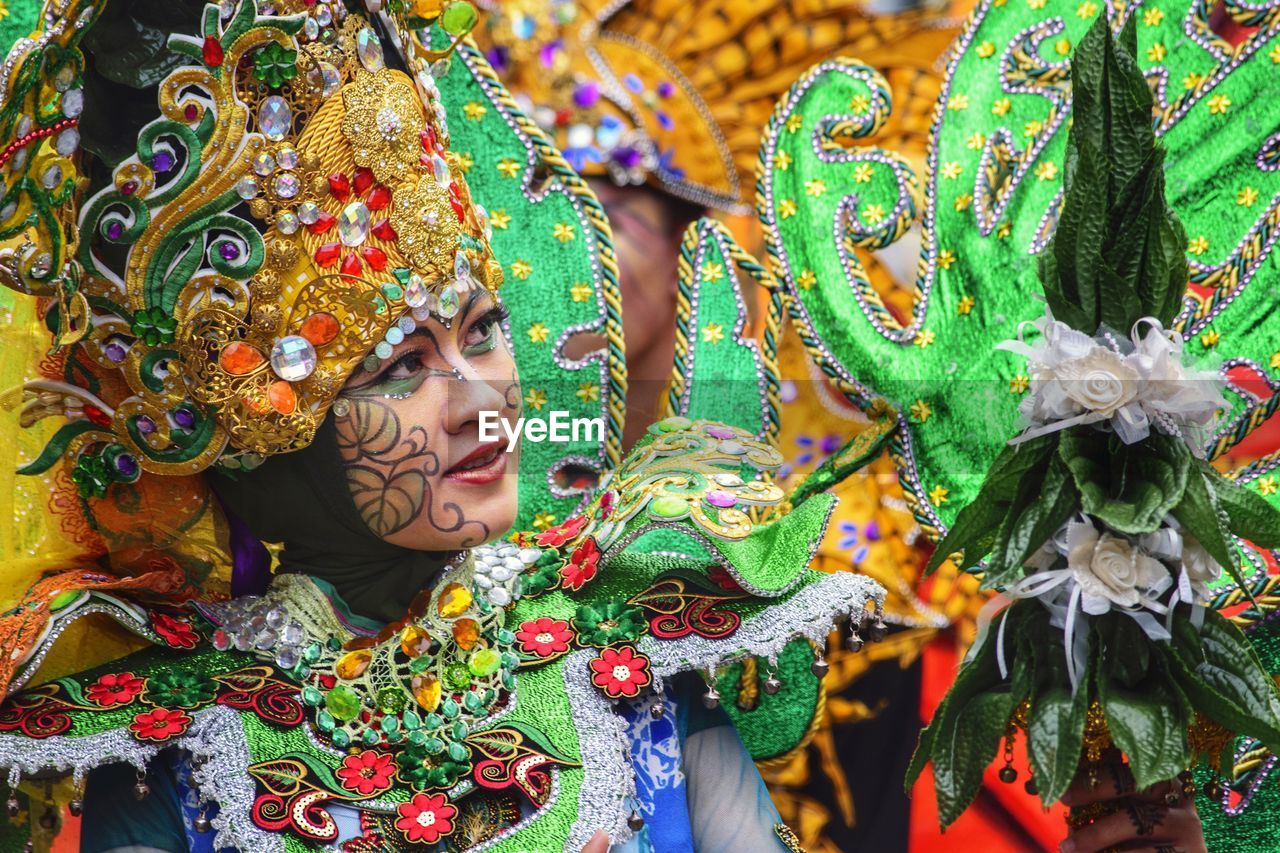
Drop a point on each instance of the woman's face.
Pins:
(410, 440)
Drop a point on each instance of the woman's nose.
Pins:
(472, 394)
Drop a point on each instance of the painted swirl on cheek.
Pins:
(387, 475)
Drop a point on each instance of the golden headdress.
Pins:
(292, 211)
(678, 92)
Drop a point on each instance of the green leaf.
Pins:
(1200, 514)
(1220, 673)
(1149, 726)
(1015, 465)
(1129, 487)
(1033, 522)
(1251, 517)
(964, 749)
(1055, 734)
(1125, 650)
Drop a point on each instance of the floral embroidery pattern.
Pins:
(554, 537)
(426, 818)
(159, 724)
(582, 565)
(368, 773)
(544, 636)
(621, 672)
(114, 688)
(176, 632)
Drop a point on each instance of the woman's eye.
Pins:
(408, 365)
(481, 336)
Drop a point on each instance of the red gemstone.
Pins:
(129, 187)
(374, 257)
(339, 186)
(384, 231)
(97, 416)
(323, 223)
(191, 111)
(327, 255)
(454, 190)
(379, 198)
(212, 52)
(351, 266)
(562, 117)
(429, 139)
(364, 179)
(457, 208)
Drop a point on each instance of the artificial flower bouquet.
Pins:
(1102, 523)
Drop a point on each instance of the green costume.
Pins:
(297, 206)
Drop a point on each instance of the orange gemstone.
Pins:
(454, 600)
(239, 358)
(353, 664)
(466, 632)
(415, 641)
(282, 398)
(426, 690)
(320, 328)
(256, 403)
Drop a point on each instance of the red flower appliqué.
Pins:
(114, 688)
(361, 198)
(175, 631)
(427, 818)
(582, 565)
(554, 537)
(621, 672)
(367, 773)
(160, 724)
(544, 636)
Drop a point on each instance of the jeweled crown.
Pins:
(291, 213)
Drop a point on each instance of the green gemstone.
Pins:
(371, 737)
(506, 637)
(421, 664)
(471, 701)
(312, 697)
(459, 730)
(395, 737)
(411, 721)
(457, 752)
(325, 721)
(484, 662)
(417, 737)
(392, 700)
(433, 746)
(508, 680)
(669, 507)
(343, 703)
(489, 696)
(340, 738)
(393, 290)
(457, 677)
(334, 644)
(510, 661)
(63, 599)
(434, 721)
(458, 18)
(390, 724)
(450, 709)
(311, 653)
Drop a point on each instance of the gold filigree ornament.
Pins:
(208, 333)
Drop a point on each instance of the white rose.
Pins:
(1109, 569)
(1100, 382)
(1201, 569)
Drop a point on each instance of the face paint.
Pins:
(418, 474)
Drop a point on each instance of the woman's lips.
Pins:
(483, 465)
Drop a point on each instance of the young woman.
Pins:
(276, 306)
